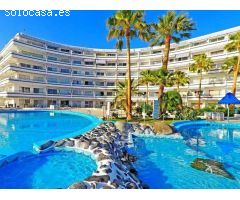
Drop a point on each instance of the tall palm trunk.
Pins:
(200, 91)
(166, 52)
(129, 88)
(235, 76)
(147, 94)
(164, 66)
(160, 96)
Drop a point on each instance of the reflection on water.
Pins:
(170, 159)
(18, 131)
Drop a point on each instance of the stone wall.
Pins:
(109, 147)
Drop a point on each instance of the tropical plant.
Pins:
(147, 108)
(180, 78)
(145, 79)
(127, 25)
(201, 64)
(230, 64)
(233, 63)
(187, 113)
(170, 27)
(121, 98)
(172, 101)
(161, 77)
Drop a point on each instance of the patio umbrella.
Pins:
(228, 99)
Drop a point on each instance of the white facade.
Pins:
(38, 73)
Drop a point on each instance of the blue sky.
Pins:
(88, 28)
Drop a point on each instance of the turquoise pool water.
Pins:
(19, 131)
(165, 162)
(50, 170)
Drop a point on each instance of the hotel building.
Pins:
(40, 73)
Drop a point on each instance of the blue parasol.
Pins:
(228, 99)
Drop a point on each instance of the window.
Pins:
(76, 52)
(111, 64)
(101, 93)
(88, 93)
(65, 91)
(77, 72)
(182, 58)
(89, 63)
(109, 93)
(88, 83)
(88, 104)
(122, 64)
(38, 78)
(87, 73)
(76, 82)
(65, 60)
(52, 80)
(76, 92)
(99, 83)
(77, 62)
(25, 89)
(51, 58)
(66, 71)
(110, 73)
(217, 39)
(200, 43)
(52, 91)
(111, 54)
(38, 67)
(37, 90)
(52, 48)
(64, 81)
(157, 52)
(100, 73)
(65, 50)
(25, 65)
(52, 69)
(121, 74)
(110, 83)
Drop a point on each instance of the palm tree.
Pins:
(170, 27)
(172, 101)
(126, 25)
(145, 79)
(201, 64)
(161, 77)
(234, 44)
(121, 93)
(230, 64)
(180, 78)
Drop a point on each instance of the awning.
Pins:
(182, 55)
(89, 60)
(100, 61)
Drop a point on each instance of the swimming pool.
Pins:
(166, 162)
(50, 170)
(20, 130)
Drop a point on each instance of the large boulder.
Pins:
(46, 145)
(102, 178)
(78, 185)
(211, 166)
(162, 128)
